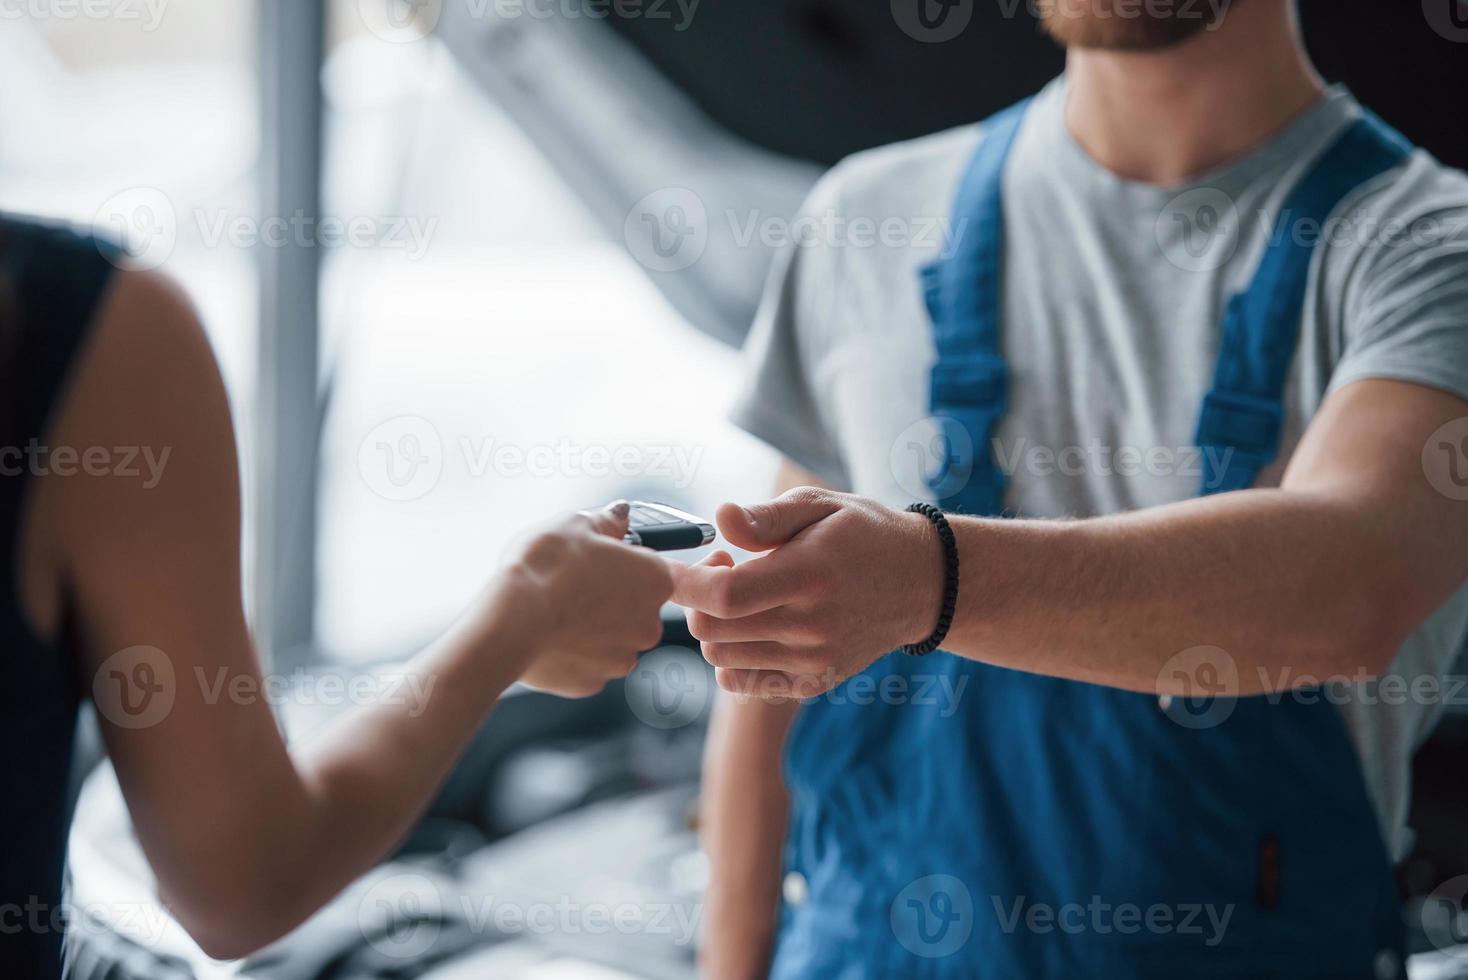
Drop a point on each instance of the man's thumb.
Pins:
(765, 526)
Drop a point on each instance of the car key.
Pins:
(664, 528)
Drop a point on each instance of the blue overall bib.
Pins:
(1050, 828)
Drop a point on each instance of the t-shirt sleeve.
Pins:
(1406, 311)
(779, 402)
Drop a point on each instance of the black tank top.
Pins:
(51, 282)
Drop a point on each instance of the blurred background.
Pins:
(470, 263)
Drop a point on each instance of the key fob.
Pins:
(664, 528)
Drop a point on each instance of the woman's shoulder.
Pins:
(50, 249)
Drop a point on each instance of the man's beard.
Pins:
(1130, 25)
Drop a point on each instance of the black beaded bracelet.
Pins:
(950, 583)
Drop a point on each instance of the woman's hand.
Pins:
(592, 601)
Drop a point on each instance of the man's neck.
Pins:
(1164, 116)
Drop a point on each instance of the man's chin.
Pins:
(1129, 25)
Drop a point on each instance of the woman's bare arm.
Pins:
(245, 837)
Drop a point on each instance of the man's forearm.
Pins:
(1292, 586)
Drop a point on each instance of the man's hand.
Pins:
(845, 581)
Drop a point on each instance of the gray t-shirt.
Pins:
(1112, 305)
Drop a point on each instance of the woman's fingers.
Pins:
(611, 520)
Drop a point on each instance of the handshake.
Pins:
(839, 581)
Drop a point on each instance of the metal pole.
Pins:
(292, 37)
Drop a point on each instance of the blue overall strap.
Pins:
(1242, 419)
(970, 383)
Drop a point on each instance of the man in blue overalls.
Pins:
(1180, 349)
